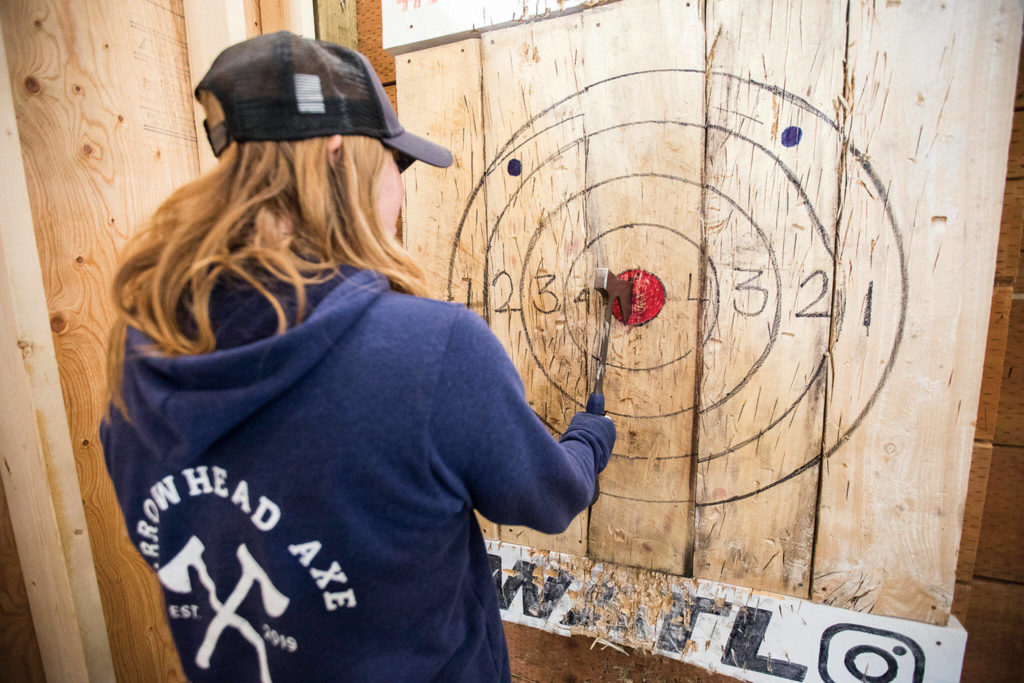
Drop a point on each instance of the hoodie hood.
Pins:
(180, 405)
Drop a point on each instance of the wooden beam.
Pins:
(39, 474)
(296, 16)
(336, 21)
(211, 26)
(1010, 418)
(907, 361)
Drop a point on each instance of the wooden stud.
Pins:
(1010, 232)
(773, 176)
(897, 461)
(296, 16)
(103, 103)
(336, 21)
(995, 351)
(977, 485)
(19, 648)
(212, 26)
(1010, 418)
(39, 475)
(1001, 543)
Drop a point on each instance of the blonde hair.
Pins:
(279, 210)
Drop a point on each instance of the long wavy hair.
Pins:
(286, 211)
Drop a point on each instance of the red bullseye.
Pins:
(648, 297)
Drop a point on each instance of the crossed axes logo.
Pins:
(175, 577)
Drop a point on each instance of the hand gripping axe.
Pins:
(612, 289)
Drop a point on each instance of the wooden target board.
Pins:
(794, 408)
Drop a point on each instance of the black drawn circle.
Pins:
(713, 294)
(891, 667)
(773, 331)
(880, 192)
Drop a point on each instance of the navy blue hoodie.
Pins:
(307, 498)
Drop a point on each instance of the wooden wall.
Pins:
(990, 575)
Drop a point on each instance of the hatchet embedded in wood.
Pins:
(612, 289)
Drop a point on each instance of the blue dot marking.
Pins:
(791, 136)
(515, 167)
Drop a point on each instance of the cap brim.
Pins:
(415, 148)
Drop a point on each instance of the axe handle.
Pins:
(595, 404)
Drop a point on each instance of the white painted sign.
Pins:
(750, 635)
(414, 24)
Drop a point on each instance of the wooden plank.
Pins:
(974, 507)
(995, 351)
(103, 103)
(995, 650)
(47, 514)
(19, 648)
(1011, 227)
(370, 40)
(336, 22)
(1010, 418)
(1015, 162)
(440, 99)
(540, 656)
(211, 27)
(773, 175)
(1001, 543)
(902, 402)
(644, 164)
(533, 165)
(296, 16)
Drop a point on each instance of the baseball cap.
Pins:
(281, 86)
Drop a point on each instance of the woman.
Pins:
(297, 439)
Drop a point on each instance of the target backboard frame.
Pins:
(797, 416)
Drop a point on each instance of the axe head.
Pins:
(615, 289)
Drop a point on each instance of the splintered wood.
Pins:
(809, 217)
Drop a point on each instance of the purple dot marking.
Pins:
(515, 167)
(791, 136)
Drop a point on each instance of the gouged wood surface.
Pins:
(436, 198)
(336, 21)
(974, 507)
(539, 656)
(906, 466)
(370, 41)
(19, 649)
(771, 263)
(643, 184)
(524, 72)
(1010, 418)
(995, 621)
(103, 103)
(1008, 256)
(995, 353)
(1001, 543)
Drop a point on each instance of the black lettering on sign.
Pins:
(682, 618)
(503, 276)
(806, 311)
(535, 603)
(544, 281)
(745, 640)
(750, 285)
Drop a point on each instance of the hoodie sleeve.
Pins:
(496, 450)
